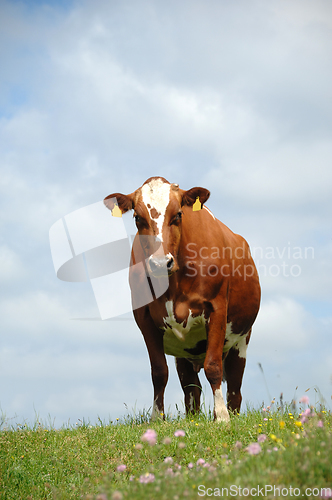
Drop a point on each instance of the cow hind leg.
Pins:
(190, 384)
(234, 365)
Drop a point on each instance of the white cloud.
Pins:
(11, 266)
(93, 365)
(282, 326)
(304, 13)
(68, 316)
(285, 177)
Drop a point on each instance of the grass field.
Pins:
(265, 453)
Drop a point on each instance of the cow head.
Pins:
(158, 208)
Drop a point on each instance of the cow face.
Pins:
(158, 210)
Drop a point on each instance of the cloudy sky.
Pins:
(96, 97)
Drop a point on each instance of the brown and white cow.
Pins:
(204, 318)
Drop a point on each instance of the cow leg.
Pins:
(234, 365)
(213, 365)
(159, 370)
(190, 384)
(159, 374)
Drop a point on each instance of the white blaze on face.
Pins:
(220, 409)
(156, 196)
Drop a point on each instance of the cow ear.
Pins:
(190, 197)
(117, 201)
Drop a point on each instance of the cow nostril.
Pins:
(153, 265)
(158, 266)
(170, 263)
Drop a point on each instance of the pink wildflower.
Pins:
(261, 438)
(150, 436)
(179, 433)
(304, 415)
(326, 493)
(121, 468)
(190, 465)
(168, 460)
(254, 449)
(200, 461)
(147, 478)
(320, 423)
(304, 400)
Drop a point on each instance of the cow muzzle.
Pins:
(163, 265)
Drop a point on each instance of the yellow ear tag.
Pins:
(197, 205)
(116, 212)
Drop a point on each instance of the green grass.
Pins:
(72, 463)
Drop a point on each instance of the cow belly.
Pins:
(186, 339)
(192, 346)
(189, 339)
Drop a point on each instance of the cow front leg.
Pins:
(190, 384)
(153, 338)
(159, 373)
(213, 366)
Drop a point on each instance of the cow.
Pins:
(204, 317)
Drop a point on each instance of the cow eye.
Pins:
(140, 221)
(177, 218)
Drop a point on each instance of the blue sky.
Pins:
(96, 97)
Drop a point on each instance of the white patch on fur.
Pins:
(155, 411)
(242, 346)
(237, 341)
(157, 194)
(220, 409)
(206, 208)
(178, 337)
(191, 402)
